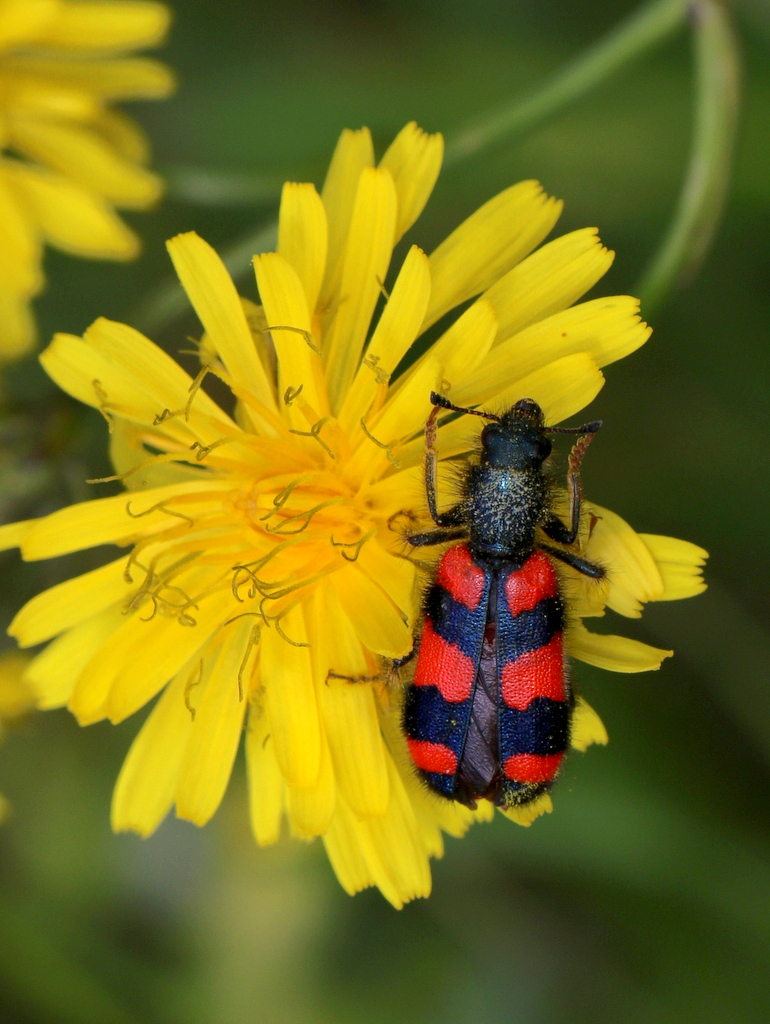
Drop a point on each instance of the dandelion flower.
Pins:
(67, 158)
(265, 552)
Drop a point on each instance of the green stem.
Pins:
(648, 27)
(702, 199)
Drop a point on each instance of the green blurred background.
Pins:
(646, 895)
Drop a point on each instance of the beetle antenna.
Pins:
(444, 403)
(587, 428)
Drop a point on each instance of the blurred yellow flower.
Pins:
(16, 698)
(267, 547)
(68, 159)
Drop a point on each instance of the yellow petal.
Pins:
(70, 602)
(285, 305)
(93, 378)
(462, 348)
(21, 21)
(302, 236)
(365, 266)
(74, 218)
(53, 673)
(216, 301)
(290, 700)
(146, 368)
(487, 244)
(527, 813)
(216, 731)
(344, 840)
(127, 453)
(348, 708)
(403, 414)
(633, 578)
(414, 161)
(385, 852)
(16, 697)
(353, 153)
(396, 330)
(615, 653)
(376, 620)
(311, 807)
(680, 564)
(587, 727)
(18, 333)
(403, 489)
(106, 520)
(606, 329)
(350, 718)
(433, 813)
(266, 785)
(110, 79)
(117, 370)
(33, 97)
(124, 134)
(396, 839)
(467, 342)
(548, 281)
(80, 153)
(145, 788)
(561, 389)
(395, 575)
(19, 237)
(12, 534)
(147, 654)
(107, 24)
(140, 657)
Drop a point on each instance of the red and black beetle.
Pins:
(487, 715)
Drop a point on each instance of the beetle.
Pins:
(487, 714)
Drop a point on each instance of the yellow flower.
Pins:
(266, 548)
(67, 158)
(16, 698)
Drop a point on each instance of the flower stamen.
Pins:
(314, 432)
(357, 544)
(391, 457)
(205, 449)
(101, 394)
(297, 330)
(194, 388)
(279, 630)
(380, 376)
(167, 414)
(308, 515)
(281, 498)
(191, 684)
(159, 507)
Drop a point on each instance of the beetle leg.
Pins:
(424, 540)
(454, 515)
(352, 679)
(582, 565)
(554, 527)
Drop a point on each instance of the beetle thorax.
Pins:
(504, 507)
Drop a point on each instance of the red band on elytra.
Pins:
(433, 757)
(461, 577)
(443, 665)
(537, 673)
(532, 768)
(534, 581)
